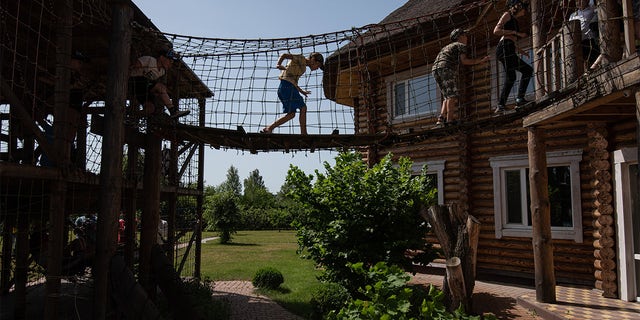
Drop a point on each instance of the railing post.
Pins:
(572, 55)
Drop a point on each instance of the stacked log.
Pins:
(604, 232)
(457, 233)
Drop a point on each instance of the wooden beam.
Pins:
(545, 281)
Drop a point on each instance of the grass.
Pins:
(252, 250)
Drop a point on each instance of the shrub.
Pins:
(330, 296)
(267, 278)
(354, 213)
(387, 296)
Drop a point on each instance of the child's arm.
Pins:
(281, 59)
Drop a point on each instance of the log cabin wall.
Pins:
(468, 172)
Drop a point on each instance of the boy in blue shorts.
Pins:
(289, 91)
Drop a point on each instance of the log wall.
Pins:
(468, 180)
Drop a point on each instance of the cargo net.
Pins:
(243, 78)
(379, 74)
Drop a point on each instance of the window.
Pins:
(627, 217)
(435, 170)
(498, 82)
(512, 201)
(413, 95)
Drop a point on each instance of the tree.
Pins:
(358, 214)
(221, 211)
(232, 184)
(256, 193)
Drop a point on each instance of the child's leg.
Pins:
(279, 122)
(451, 108)
(160, 90)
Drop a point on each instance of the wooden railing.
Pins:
(560, 60)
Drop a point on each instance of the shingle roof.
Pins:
(418, 8)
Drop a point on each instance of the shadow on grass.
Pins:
(238, 244)
(301, 309)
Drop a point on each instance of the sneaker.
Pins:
(521, 102)
(499, 109)
(177, 114)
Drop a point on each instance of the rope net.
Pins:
(244, 81)
(241, 73)
(234, 82)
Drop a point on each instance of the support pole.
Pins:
(200, 198)
(545, 281)
(573, 59)
(537, 36)
(64, 12)
(150, 210)
(111, 166)
(7, 252)
(131, 205)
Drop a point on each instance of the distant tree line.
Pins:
(233, 206)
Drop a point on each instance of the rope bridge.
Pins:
(243, 79)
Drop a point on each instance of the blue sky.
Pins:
(252, 19)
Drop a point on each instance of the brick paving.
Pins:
(247, 305)
(505, 300)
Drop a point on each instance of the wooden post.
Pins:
(150, 209)
(457, 233)
(200, 198)
(172, 200)
(629, 27)
(111, 166)
(22, 265)
(538, 39)
(473, 228)
(131, 205)
(64, 11)
(573, 59)
(455, 280)
(609, 24)
(7, 252)
(545, 281)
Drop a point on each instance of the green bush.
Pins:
(388, 297)
(267, 278)
(330, 296)
(355, 213)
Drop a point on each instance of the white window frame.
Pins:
(405, 76)
(500, 164)
(433, 167)
(498, 80)
(622, 159)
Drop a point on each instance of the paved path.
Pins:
(487, 297)
(247, 305)
(505, 300)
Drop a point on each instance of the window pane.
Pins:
(514, 196)
(422, 95)
(432, 182)
(560, 196)
(400, 102)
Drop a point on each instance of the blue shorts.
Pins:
(290, 97)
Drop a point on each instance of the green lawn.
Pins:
(252, 250)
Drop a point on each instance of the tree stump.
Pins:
(457, 233)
